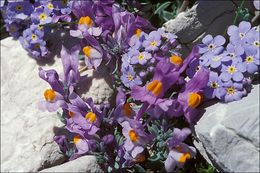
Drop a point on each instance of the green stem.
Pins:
(241, 5)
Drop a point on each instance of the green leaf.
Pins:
(167, 15)
(162, 7)
(61, 117)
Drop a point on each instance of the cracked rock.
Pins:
(26, 132)
(230, 134)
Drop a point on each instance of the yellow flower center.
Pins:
(214, 85)
(176, 60)
(184, 157)
(76, 139)
(154, 43)
(155, 87)
(231, 69)
(40, 27)
(49, 95)
(249, 59)
(91, 117)
(130, 77)
(133, 136)
(194, 100)
(85, 21)
(230, 90)
(127, 109)
(140, 56)
(19, 8)
(256, 43)
(138, 32)
(50, 6)
(42, 16)
(34, 37)
(87, 51)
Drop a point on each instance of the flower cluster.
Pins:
(29, 22)
(158, 91)
(145, 52)
(140, 127)
(232, 67)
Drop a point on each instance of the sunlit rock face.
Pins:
(230, 134)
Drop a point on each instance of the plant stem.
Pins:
(241, 5)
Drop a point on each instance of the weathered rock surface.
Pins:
(26, 132)
(230, 134)
(206, 17)
(86, 164)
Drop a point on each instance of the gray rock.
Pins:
(86, 164)
(230, 134)
(205, 17)
(26, 132)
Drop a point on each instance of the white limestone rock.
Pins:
(26, 132)
(87, 164)
(230, 134)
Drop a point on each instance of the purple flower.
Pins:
(70, 61)
(153, 41)
(137, 39)
(54, 98)
(213, 45)
(233, 71)
(257, 4)
(238, 34)
(129, 77)
(93, 57)
(81, 144)
(41, 16)
(179, 152)
(233, 91)
(19, 10)
(64, 6)
(166, 74)
(33, 34)
(191, 98)
(53, 101)
(140, 57)
(214, 60)
(37, 49)
(251, 60)
(193, 68)
(235, 52)
(252, 40)
(86, 25)
(14, 29)
(136, 138)
(214, 87)
(123, 109)
(62, 142)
